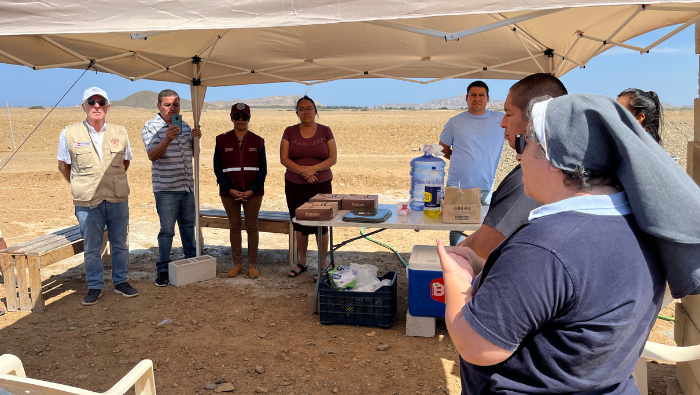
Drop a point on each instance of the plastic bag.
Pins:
(355, 277)
(434, 149)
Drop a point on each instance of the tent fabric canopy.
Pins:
(318, 41)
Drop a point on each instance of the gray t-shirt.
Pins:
(510, 206)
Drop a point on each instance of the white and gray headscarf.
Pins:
(598, 134)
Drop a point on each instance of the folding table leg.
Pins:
(330, 245)
(319, 240)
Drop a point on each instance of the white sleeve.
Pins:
(63, 154)
(127, 153)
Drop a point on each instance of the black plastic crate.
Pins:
(376, 308)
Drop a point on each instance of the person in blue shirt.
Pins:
(473, 141)
(565, 304)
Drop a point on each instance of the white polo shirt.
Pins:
(96, 139)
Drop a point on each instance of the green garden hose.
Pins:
(663, 317)
(362, 232)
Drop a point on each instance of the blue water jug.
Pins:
(420, 167)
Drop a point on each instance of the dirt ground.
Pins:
(260, 335)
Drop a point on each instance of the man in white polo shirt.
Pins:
(473, 142)
(93, 157)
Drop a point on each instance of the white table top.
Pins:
(416, 220)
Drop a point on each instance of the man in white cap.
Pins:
(93, 156)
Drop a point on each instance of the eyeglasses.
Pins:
(240, 116)
(519, 144)
(307, 109)
(91, 102)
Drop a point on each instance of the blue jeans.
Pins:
(92, 225)
(455, 236)
(172, 207)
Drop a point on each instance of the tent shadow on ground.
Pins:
(225, 328)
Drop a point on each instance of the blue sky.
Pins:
(671, 70)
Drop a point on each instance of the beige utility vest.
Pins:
(92, 180)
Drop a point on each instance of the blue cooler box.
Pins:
(426, 288)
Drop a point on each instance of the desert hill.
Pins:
(148, 100)
(450, 103)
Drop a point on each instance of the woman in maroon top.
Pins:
(308, 152)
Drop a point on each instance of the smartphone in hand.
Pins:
(177, 121)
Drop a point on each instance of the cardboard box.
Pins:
(360, 201)
(327, 197)
(461, 206)
(334, 205)
(310, 212)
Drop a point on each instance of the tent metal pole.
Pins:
(162, 70)
(566, 55)
(477, 70)
(496, 25)
(625, 23)
(16, 59)
(672, 33)
(14, 147)
(196, 114)
(527, 49)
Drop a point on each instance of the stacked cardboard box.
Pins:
(461, 206)
(351, 202)
(328, 197)
(317, 211)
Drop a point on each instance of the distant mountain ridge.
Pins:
(148, 99)
(450, 103)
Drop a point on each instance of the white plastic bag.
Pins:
(355, 277)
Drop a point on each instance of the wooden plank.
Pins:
(62, 253)
(682, 319)
(691, 303)
(53, 245)
(263, 225)
(672, 386)
(213, 222)
(686, 379)
(58, 235)
(691, 337)
(272, 227)
(8, 270)
(25, 304)
(33, 262)
(693, 163)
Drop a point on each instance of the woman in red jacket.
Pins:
(241, 167)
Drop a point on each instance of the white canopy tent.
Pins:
(221, 43)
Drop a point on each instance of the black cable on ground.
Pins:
(92, 63)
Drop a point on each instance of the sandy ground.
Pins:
(224, 329)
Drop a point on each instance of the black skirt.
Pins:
(298, 194)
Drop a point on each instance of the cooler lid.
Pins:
(424, 258)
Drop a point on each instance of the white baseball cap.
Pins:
(94, 91)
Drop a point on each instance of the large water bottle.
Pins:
(433, 193)
(420, 167)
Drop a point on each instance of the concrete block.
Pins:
(192, 270)
(420, 326)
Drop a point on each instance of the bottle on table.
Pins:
(433, 194)
(420, 167)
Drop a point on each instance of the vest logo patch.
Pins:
(76, 145)
(115, 141)
(228, 150)
(252, 149)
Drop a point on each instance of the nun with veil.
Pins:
(565, 304)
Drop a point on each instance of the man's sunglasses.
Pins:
(240, 116)
(519, 144)
(91, 102)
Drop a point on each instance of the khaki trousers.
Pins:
(251, 208)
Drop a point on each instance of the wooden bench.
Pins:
(22, 264)
(268, 221)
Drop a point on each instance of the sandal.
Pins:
(294, 273)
